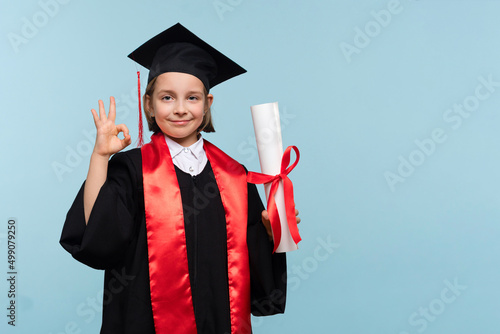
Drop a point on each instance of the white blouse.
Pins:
(191, 160)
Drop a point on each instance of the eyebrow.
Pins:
(168, 91)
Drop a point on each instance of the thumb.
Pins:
(265, 215)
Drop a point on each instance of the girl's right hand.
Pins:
(107, 141)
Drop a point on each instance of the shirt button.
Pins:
(191, 169)
(186, 150)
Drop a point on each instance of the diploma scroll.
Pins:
(266, 121)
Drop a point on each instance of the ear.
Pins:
(148, 106)
(210, 100)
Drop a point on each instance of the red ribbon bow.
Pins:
(259, 178)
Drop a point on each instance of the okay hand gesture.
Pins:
(107, 141)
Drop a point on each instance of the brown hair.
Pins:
(206, 124)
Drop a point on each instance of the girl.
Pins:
(184, 240)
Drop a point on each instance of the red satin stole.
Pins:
(168, 266)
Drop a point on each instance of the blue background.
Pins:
(393, 214)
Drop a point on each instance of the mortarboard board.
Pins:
(179, 50)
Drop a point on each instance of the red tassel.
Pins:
(140, 140)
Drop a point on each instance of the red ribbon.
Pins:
(259, 178)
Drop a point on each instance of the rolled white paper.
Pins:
(266, 124)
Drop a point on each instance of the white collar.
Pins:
(175, 148)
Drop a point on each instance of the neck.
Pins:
(187, 141)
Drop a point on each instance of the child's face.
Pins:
(178, 104)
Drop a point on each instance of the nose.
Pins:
(180, 108)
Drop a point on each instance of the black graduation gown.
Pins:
(115, 240)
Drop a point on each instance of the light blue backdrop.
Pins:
(393, 104)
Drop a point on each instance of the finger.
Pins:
(122, 128)
(269, 232)
(94, 116)
(267, 224)
(112, 109)
(102, 111)
(296, 212)
(127, 140)
(298, 220)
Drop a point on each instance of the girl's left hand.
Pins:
(267, 223)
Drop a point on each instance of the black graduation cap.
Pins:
(179, 50)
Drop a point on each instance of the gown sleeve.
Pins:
(267, 270)
(102, 243)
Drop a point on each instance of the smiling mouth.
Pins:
(180, 121)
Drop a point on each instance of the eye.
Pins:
(167, 98)
(193, 98)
